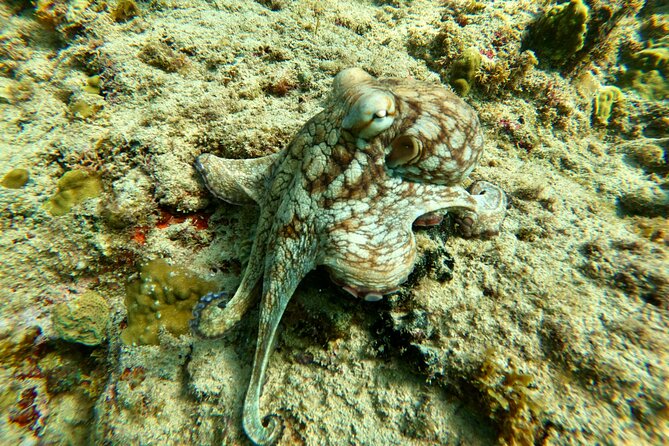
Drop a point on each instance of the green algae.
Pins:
(74, 187)
(163, 296)
(463, 71)
(559, 33)
(646, 71)
(82, 320)
(15, 178)
(124, 10)
(604, 101)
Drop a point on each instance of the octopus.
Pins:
(382, 155)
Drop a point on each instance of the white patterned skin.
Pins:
(344, 194)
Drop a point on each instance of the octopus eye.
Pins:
(405, 149)
(370, 115)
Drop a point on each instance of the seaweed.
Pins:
(15, 178)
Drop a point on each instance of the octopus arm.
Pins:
(237, 181)
(290, 261)
(211, 318)
(480, 209)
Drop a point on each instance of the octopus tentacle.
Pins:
(212, 321)
(236, 181)
(490, 212)
(203, 303)
(481, 209)
(291, 262)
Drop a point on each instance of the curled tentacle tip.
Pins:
(266, 433)
(201, 305)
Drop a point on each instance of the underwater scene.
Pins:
(350, 222)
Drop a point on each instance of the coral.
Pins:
(506, 74)
(648, 154)
(51, 12)
(437, 49)
(463, 71)
(84, 319)
(163, 296)
(606, 97)
(654, 229)
(15, 178)
(17, 91)
(81, 108)
(280, 87)
(646, 202)
(274, 5)
(559, 33)
(73, 187)
(571, 35)
(124, 10)
(655, 27)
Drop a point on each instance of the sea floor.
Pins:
(555, 331)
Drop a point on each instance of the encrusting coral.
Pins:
(463, 71)
(84, 319)
(647, 71)
(163, 296)
(559, 32)
(606, 97)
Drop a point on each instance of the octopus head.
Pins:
(437, 138)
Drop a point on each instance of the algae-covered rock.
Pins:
(73, 187)
(83, 320)
(463, 71)
(93, 85)
(606, 97)
(559, 33)
(646, 71)
(15, 178)
(124, 10)
(163, 296)
(646, 202)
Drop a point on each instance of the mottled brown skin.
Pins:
(344, 194)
